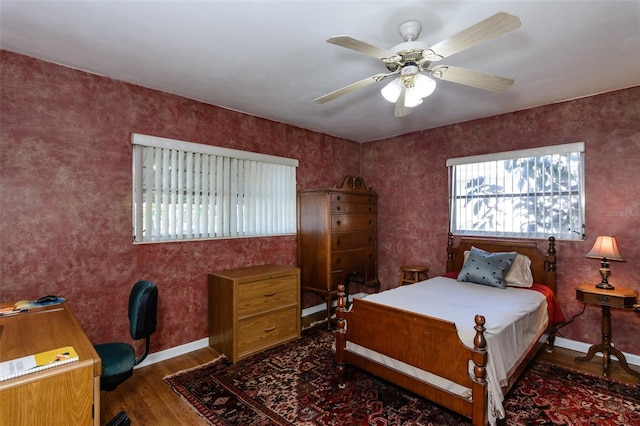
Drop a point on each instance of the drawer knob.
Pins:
(338, 260)
(338, 198)
(338, 208)
(603, 299)
(269, 329)
(269, 293)
(338, 242)
(338, 222)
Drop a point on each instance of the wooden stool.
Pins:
(413, 274)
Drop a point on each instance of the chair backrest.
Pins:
(143, 307)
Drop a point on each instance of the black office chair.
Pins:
(118, 359)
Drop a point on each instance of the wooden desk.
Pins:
(617, 298)
(65, 395)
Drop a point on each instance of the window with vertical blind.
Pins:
(188, 191)
(531, 193)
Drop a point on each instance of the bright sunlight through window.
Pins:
(533, 193)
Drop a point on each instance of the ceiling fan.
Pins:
(412, 62)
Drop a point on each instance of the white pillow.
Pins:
(519, 275)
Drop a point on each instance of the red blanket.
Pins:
(555, 313)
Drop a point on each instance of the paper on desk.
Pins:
(37, 362)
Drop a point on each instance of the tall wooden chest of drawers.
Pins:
(337, 237)
(252, 309)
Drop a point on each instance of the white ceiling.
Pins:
(270, 58)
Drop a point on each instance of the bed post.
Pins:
(550, 264)
(550, 269)
(450, 252)
(341, 329)
(479, 384)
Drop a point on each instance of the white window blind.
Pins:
(188, 191)
(533, 193)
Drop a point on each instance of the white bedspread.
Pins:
(515, 320)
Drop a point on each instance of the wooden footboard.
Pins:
(427, 343)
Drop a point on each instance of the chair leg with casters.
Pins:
(118, 359)
(121, 419)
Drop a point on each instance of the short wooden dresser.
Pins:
(252, 309)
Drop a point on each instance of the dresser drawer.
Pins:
(591, 294)
(261, 332)
(352, 222)
(267, 295)
(353, 261)
(353, 198)
(352, 208)
(352, 240)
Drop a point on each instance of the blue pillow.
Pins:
(487, 268)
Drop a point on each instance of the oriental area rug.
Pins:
(296, 384)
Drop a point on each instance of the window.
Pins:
(187, 191)
(534, 193)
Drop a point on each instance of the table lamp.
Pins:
(605, 249)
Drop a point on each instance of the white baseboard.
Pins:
(203, 343)
(173, 352)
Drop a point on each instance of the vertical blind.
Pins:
(532, 193)
(187, 191)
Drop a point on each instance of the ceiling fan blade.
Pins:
(471, 78)
(361, 46)
(401, 110)
(350, 88)
(487, 29)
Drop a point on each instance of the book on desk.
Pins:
(37, 362)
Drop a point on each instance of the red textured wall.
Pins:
(410, 176)
(65, 175)
(65, 186)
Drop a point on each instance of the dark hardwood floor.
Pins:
(149, 401)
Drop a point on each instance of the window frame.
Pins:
(535, 156)
(228, 184)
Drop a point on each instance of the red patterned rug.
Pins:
(295, 384)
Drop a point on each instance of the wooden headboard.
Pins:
(543, 265)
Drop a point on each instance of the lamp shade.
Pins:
(605, 247)
(391, 92)
(422, 87)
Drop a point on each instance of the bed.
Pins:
(447, 357)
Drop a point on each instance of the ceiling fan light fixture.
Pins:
(412, 98)
(423, 85)
(391, 92)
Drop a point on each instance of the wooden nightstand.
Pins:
(617, 298)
